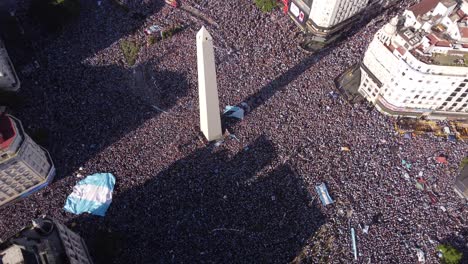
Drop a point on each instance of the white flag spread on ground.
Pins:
(92, 195)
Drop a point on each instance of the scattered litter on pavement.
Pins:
(323, 194)
(92, 195)
(407, 164)
(345, 149)
(443, 208)
(80, 168)
(420, 174)
(420, 255)
(234, 111)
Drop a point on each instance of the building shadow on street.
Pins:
(208, 208)
(73, 106)
(282, 81)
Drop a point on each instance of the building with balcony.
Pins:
(417, 64)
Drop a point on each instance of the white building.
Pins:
(326, 14)
(325, 17)
(417, 64)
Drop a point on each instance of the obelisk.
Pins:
(210, 118)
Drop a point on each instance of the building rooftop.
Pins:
(436, 34)
(423, 7)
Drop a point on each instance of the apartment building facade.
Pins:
(415, 65)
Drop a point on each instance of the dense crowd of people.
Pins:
(181, 199)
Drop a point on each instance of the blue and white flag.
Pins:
(322, 193)
(92, 195)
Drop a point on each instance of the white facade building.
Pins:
(326, 17)
(329, 13)
(416, 66)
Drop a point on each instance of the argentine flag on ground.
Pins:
(92, 195)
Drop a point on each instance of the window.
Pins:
(462, 84)
(458, 89)
(416, 96)
(424, 97)
(444, 104)
(459, 99)
(463, 95)
(449, 99)
(453, 94)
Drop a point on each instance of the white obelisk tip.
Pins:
(203, 34)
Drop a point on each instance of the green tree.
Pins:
(450, 255)
(266, 5)
(130, 50)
